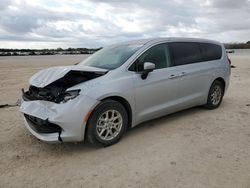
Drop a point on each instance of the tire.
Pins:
(107, 124)
(215, 95)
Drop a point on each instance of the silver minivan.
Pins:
(123, 85)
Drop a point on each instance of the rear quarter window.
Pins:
(210, 51)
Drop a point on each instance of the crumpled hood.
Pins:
(47, 76)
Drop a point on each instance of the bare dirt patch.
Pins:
(192, 148)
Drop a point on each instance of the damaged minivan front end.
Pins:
(53, 105)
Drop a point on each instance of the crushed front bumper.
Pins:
(54, 122)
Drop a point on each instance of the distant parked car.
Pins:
(123, 85)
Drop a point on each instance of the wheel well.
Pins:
(126, 105)
(221, 80)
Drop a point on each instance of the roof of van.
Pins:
(171, 39)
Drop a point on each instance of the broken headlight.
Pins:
(68, 95)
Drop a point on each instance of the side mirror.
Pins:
(148, 67)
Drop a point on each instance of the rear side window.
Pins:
(185, 52)
(210, 51)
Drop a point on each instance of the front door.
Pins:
(158, 93)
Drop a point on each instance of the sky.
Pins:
(95, 23)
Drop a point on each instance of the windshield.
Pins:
(111, 57)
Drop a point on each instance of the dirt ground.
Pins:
(192, 148)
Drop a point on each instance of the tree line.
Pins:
(238, 45)
(20, 52)
(68, 51)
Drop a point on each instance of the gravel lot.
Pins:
(192, 148)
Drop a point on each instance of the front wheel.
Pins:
(215, 95)
(107, 123)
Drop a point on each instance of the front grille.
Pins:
(42, 126)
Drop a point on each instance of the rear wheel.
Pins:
(215, 95)
(107, 123)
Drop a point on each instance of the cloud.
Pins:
(4, 4)
(94, 23)
(229, 4)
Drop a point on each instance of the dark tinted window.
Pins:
(157, 54)
(210, 51)
(185, 52)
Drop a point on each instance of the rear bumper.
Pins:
(53, 122)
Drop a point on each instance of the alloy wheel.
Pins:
(216, 95)
(109, 124)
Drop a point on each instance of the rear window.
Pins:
(210, 51)
(193, 52)
(185, 52)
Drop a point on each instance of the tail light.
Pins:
(229, 61)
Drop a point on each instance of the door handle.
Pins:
(172, 76)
